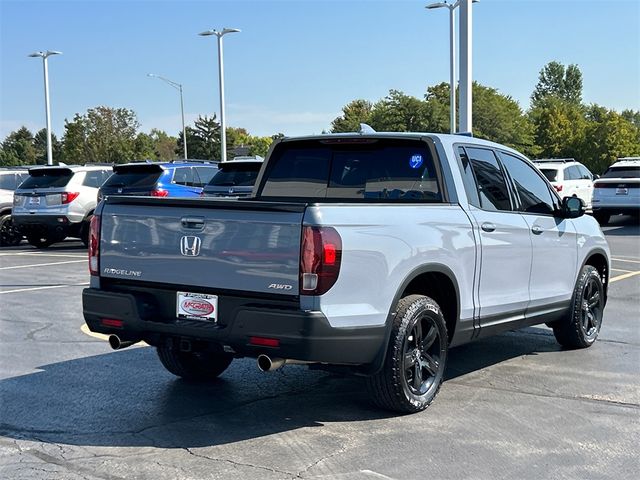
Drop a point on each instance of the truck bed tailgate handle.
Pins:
(196, 223)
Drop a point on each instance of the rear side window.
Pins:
(385, 169)
(183, 176)
(572, 173)
(205, 174)
(240, 174)
(133, 179)
(533, 192)
(550, 173)
(622, 172)
(49, 178)
(94, 178)
(492, 187)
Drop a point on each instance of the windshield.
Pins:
(622, 172)
(132, 179)
(550, 173)
(48, 178)
(239, 175)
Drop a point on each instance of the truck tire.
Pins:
(195, 366)
(416, 357)
(9, 235)
(581, 326)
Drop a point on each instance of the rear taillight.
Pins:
(68, 197)
(558, 188)
(320, 258)
(598, 185)
(94, 245)
(159, 192)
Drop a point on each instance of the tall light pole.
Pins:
(223, 133)
(44, 56)
(466, 63)
(452, 57)
(177, 86)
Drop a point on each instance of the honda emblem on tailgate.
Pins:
(190, 246)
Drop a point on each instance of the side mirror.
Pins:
(572, 207)
(596, 177)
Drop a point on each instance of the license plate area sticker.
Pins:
(34, 200)
(197, 306)
(622, 191)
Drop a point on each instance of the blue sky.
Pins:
(296, 63)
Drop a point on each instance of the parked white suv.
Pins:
(618, 191)
(57, 202)
(568, 177)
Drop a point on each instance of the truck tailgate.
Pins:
(240, 245)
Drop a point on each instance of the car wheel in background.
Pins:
(42, 241)
(9, 235)
(602, 218)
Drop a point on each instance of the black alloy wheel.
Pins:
(422, 359)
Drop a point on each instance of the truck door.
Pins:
(505, 244)
(553, 238)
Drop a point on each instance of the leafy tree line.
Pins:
(110, 135)
(558, 123)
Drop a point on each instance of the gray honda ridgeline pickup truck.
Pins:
(365, 253)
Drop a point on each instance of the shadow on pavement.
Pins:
(622, 225)
(127, 399)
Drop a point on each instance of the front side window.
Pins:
(572, 173)
(532, 190)
(585, 174)
(492, 187)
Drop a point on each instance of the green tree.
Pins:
(609, 136)
(353, 114)
(203, 139)
(144, 147)
(260, 145)
(632, 116)
(560, 128)
(103, 135)
(557, 81)
(40, 145)
(398, 112)
(164, 145)
(18, 148)
(499, 118)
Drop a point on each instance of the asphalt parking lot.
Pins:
(513, 406)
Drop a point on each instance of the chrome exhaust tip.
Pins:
(268, 364)
(118, 344)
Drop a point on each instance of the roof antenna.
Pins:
(364, 128)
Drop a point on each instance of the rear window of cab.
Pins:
(360, 169)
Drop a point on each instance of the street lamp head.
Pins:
(217, 33)
(52, 52)
(37, 54)
(230, 30)
(151, 75)
(437, 5)
(208, 33)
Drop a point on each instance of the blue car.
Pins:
(178, 178)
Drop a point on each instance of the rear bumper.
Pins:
(39, 224)
(616, 209)
(302, 335)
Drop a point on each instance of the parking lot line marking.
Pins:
(625, 260)
(42, 254)
(45, 288)
(621, 270)
(14, 267)
(623, 276)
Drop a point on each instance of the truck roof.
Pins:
(447, 139)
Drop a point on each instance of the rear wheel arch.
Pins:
(436, 281)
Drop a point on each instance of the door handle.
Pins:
(192, 222)
(536, 230)
(488, 227)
